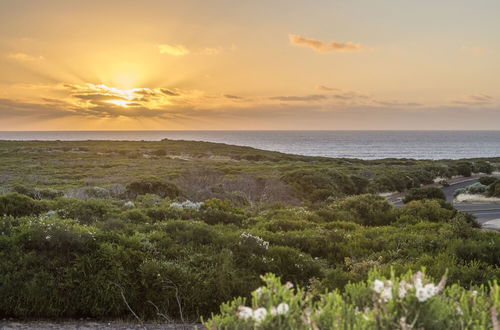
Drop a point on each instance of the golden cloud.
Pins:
(174, 50)
(24, 57)
(322, 46)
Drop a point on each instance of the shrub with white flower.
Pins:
(253, 241)
(129, 204)
(189, 205)
(411, 301)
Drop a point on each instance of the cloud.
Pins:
(197, 109)
(324, 47)
(24, 57)
(476, 50)
(169, 92)
(327, 89)
(396, 103)
(313, 97)
(174, 50)
(232, 97)
(211, 51)
(475, 100)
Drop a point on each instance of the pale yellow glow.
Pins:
(121, 103)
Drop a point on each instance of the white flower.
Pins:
(258, 293)
(418, 283)
(47, 237)
(282, 308)
(430, 290)
(474, 293)
(421, 294)
(378, 286)
(187, 205)
(129, 204)
(386, 294)
(245, 313)
(259, 314)
(257, 239)
(403, 289)
(459, 310)
(289, 285)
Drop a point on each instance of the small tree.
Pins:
(464, 168)
(483, 167)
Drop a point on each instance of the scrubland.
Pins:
(171, 230)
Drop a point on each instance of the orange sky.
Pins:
(77, 65)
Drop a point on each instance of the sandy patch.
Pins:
(476, 198)
(492, 224)
(387, 194)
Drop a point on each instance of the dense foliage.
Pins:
(424, 193)
(408, 302)
(77, 257)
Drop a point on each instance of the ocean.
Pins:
(349, 144)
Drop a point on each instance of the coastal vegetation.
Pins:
(172, 229)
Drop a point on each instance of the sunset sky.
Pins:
(159, 64)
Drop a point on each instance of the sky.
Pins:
(249, 65)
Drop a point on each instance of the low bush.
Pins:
(424, 210)
(483, 167)
(318, 185)
(494, 189)
(36, 193)
(424, 193)
(153, 186)
(487, 180)
(214, 211)
(406, 302)
(85, 212)
(368, 210)
(18, 205)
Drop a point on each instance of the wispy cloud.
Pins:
(174, 50)
(476, 50)
(211, 51)
(478, 99)
(324, 88)
(232, 97)
(24, 57)
(313, 97)
(322, 46)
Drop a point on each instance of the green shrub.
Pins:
(153, 186)
(160, 152)
(487, 180)
(214, 211)
(135, 216)
(380, 303)
(18, 205)
(368, 210)
(494, 189)
(97, 192)
(424, 210)
(293, 265)
(416, 194)
(35, 193)
(464, 168)
(476, 188)
(318, 185)
(483, 167)
(85, 212)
